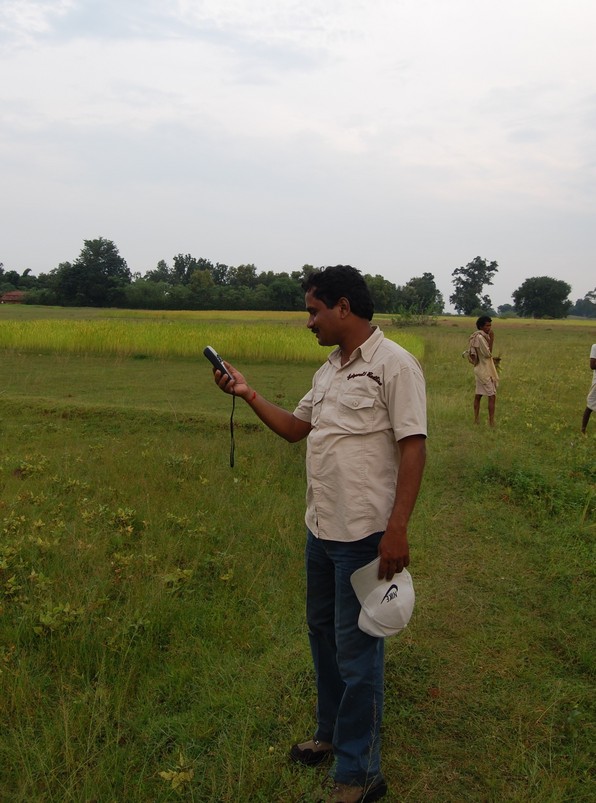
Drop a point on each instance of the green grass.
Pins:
(152, 638)
(169, 335)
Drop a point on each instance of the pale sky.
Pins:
(399, 136)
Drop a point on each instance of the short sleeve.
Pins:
(406, 402)
(303, 410)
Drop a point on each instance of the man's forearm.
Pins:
(394, 549)
(409, 479)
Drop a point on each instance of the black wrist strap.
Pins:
(232, 444)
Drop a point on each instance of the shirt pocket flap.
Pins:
(357, 402)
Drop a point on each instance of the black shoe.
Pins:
(311, 753)
(335, 792)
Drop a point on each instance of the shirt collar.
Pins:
(366, 350)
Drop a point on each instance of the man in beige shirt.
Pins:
(487, 379)
(365, 420)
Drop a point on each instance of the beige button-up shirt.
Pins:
(487, 378)
(358, 412)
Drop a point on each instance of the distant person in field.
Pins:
(591, 401)
(365, 423)
(480, 348)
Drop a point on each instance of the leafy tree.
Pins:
(9, 281)
(146, 294)
(302, 275)
(161, 273)
(243, 276)
(383, 292)
(27, 280)
(184, 267)
(261, 297)
(219, 272)
(238, 297)
(201, 286)
(96, 279)
(505, 309)
(285, 294)
(269, 276)
(420, 295)
(476, 313)
(542, 297)
(200, 281)
(179, 296)
(40, 289)
(42, 295)
(585, 307)
(469, 283)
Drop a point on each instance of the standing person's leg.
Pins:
(477, 398)
(360, 659)
(590, 407)
(320, 616)
(491, 410)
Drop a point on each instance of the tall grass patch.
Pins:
(239, 336)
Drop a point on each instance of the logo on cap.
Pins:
(390, 594)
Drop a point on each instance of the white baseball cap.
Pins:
(387, 605)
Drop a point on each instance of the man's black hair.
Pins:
(341, 281)
(483, 319)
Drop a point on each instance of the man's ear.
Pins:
(344, 307)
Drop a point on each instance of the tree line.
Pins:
(100, 277)
(536, 297)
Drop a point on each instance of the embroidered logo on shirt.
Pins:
(369, 374)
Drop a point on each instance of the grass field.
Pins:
(152, 637)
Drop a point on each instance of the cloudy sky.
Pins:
(399, 136)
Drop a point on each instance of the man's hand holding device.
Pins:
(230, 380)
(216, 361)
(229, 383)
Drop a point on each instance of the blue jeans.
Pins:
(348, 663)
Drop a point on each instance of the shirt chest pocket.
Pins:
(355, 412)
